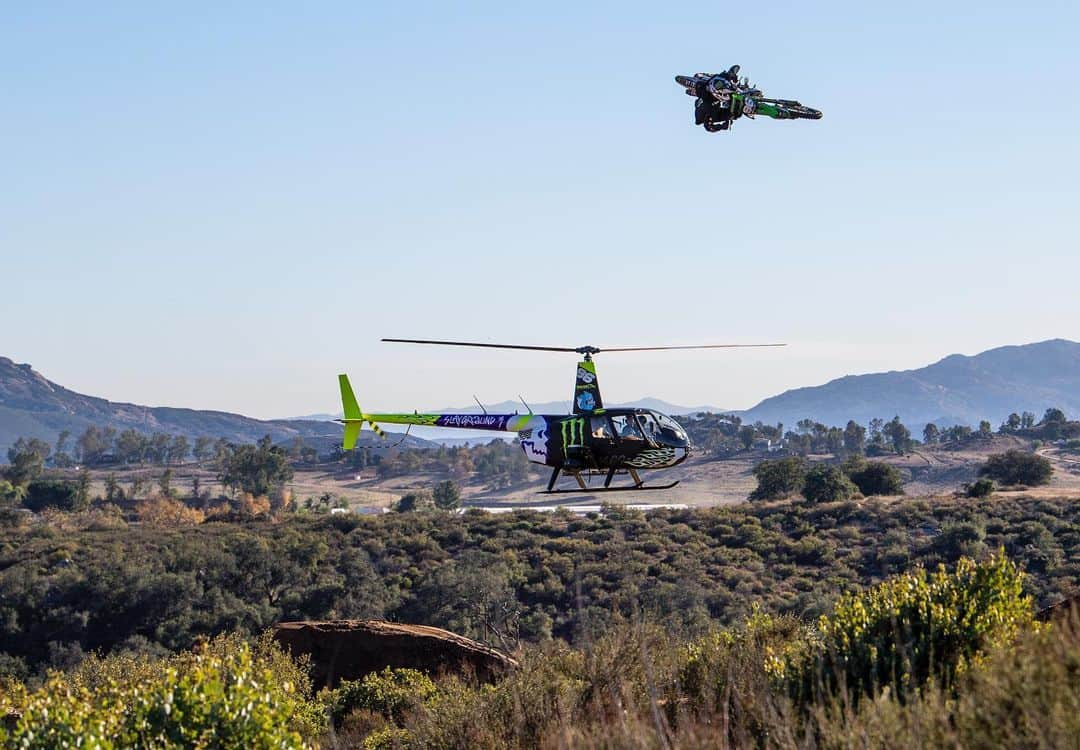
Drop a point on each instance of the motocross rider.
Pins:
(714, 107)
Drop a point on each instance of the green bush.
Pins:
(980, 488)
(875, 477)
(419, 500)
(228, 695)
(51, 493)
(778, 479)
(390, 693)
(919, 626)
(1017, 468)
(827, 484)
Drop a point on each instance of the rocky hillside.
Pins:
(956, 390)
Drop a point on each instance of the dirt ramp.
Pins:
(349, 649)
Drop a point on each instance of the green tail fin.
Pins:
(352, 432)
(352, 412)
(348, 399)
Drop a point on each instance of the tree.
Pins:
(204, 448)
(113, 491)
(92, 445)
(178, 450)
(1016, 467)
(159, 448)
(165, 483)
(27, 460)
(60, 458)
(875, 430)
(834, 441)
(1053, 415)
(82, 491)
(827, 484)
(1052, 422)
(1011, 423)
(854, 437)
(258, 469)
(985, 430)
(131, 447)
(447, 495)
(778, 479)
(930, 434)
(875, 477)
(898, 435)
(746, 436)
(1027, 420)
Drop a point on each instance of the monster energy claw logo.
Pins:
(571, 429)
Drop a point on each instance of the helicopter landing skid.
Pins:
(639, 483)
(592, 490)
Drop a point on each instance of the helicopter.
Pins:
(591, 441)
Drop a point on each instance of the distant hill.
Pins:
(33, 406)
(956, 390)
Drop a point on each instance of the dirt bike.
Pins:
(744, 99)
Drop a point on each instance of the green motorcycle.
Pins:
(723, 98)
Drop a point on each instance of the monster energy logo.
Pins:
(571, 429)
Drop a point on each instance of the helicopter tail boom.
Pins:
(354, 419)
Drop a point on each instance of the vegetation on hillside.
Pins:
(726, 434)
(72, 583)
(923, 659)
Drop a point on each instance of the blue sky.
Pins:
(224, 206)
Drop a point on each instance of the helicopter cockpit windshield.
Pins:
(662, 429)
(671, 429)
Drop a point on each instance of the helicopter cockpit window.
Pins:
(652, 428)
(626, 428)
(670, 427)
(600, 428)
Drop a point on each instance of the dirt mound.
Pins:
(349, 649)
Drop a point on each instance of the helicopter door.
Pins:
(600, 430)
(601, 438)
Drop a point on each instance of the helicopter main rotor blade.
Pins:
(698, 346)
(486, 346)
(578, 349)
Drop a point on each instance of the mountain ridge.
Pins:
(957, 389)
(31, 406)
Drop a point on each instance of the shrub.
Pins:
(390, 693)
(52, 493)
(980, 488)
(920, 625)
(875, 478)
(1017, 467)
(827, 484)
(419, 500)
(778, 479)
(229, 695)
